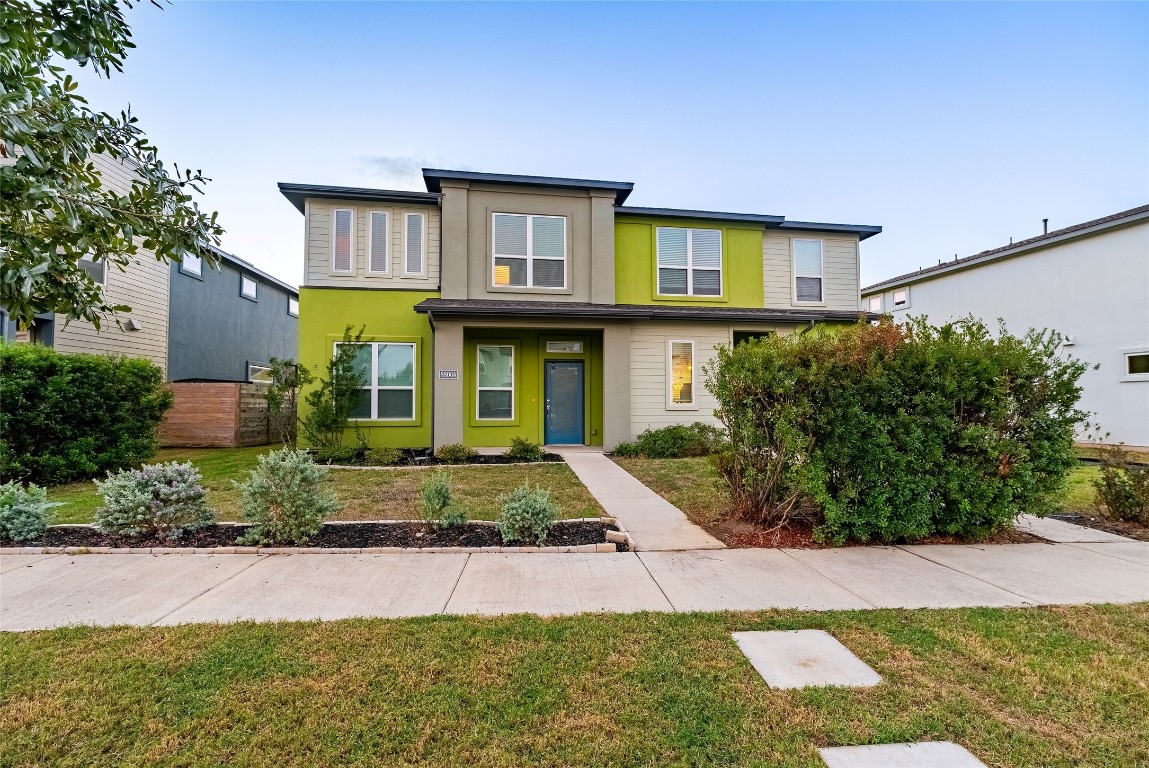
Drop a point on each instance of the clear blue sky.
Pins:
(954, 126)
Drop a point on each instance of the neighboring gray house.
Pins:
(227, 323)
(1090, 282)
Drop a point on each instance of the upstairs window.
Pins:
(247, 287)
(378, 234)
(414, 244)
(807, 271)
(529, 251)
(689, 262)
(192, 265)
(874, 303)
(97, 270)
(901, 298)
(293, 306)
(342, 240)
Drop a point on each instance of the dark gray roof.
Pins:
(1005, 251)
(683, 213)
(433, 177)
(297, 193)
(574, 310)
(246, 266)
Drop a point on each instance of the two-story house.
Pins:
(496, 306)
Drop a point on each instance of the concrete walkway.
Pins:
(44, 591)
(652, 522)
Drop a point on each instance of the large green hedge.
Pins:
(897, 432)
(70, 417)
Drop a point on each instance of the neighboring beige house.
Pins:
(1089, 282)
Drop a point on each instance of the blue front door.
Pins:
(563, 391)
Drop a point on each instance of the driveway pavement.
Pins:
(40, 592)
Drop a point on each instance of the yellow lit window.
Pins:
(681, 374)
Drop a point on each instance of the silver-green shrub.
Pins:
(24, 512)
(284, 498)
(438, 505)
(527, 515)
(162, 500)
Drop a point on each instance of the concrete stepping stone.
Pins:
(924, 754)
(804, 658)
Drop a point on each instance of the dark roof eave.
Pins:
(861, 230)
(297, 194)
(434, 176)
(247, 266)
(684, 213)
(573, 310)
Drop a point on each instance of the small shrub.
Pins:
(24, 512)
(382, 457)
(527, 515)
(438, 506)
(455, 453)
(523, 449)
(284, 499)
(675, 442)
(338, 454)
(1122, 487)
(161, 500)
(627, 449)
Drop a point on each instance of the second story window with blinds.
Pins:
(378, 250)
(689, 262)
(97, 270)
(807, 271)
(342, 241)
(414, 244)
(529, 251)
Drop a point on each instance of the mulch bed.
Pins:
(352, 535)
(1128, 528)
(800, 535)
(423, 459)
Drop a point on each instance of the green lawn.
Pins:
(391, 494)
(1032, 687)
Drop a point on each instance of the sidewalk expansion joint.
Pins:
(1027, 598)
(259, 559)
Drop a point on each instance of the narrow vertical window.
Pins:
(413, 244)
(807, 271)
(680, 374)
(342, 240)
(378, 237)
(495, 377)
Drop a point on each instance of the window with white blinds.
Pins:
(807, 270)
(342, 240)
(529, 251)
(689, 262)
(378, 243)
(874, 303)
(680, 374)
(414, 243)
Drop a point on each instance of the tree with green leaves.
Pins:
(335, 397)
(54, 210)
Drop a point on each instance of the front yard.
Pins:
(383, 494)
(1048, 686)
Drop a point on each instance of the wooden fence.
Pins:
(216, 415)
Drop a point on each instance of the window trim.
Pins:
(530, 257)
(198, 273)
(354, 238)
(243, 281)
(821, 272)
(670, 404)
(386, 271)
(1125, 355)
(479, 347)
(423, 244)
(870, 303)
(373, 379)
(894, 305)
(295, 300)
(262, 366)
(690, 268)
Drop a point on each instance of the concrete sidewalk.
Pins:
(45, 591)
(652, 522)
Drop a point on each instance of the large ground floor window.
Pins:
(496, 382)
(389, 368)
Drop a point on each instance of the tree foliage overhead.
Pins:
(53, 207)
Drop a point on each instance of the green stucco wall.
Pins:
(636, 274)
(386, 316)
(530, 354)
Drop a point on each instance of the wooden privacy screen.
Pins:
(216, 415)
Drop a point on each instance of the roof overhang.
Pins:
(861, 230)
(579, 310)
(297, 194)
(434, 177)
(683, 213)
(247, 266)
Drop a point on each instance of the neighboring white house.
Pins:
(1090, 282)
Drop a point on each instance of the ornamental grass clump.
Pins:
(284, 498)
(164, 501)
(527, 515)
(24, 512)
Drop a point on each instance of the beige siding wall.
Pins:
(143, 286)
(318, 257)
(649, 369)
(840, 270)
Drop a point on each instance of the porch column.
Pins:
(616, 384)
(448, 391)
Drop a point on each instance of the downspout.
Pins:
(808, 328)
(434, 379)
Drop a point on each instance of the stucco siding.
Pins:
(143, 286)
(1094, 289)
(840, 270)
(318, 248)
